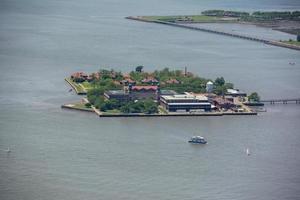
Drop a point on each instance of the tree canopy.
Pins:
(220, 81)
(139, 68)
(254, 97)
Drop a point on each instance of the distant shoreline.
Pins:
(183, 24)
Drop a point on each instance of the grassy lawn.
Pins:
(86, 85)
(79, 88)
(161, 110)
(81, 105)
(111, 112)
(192, 18)
(292, 42)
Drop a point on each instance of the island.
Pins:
(285, 21)
(160, 93)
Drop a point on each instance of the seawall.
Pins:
(177, 115)
(74, 87)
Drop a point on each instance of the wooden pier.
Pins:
(284, 101)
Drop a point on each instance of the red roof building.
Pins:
(144, 88)
(127, 81)
(172, 81)
(79, 76)
(150, 81)
(143, 92)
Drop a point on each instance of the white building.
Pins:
(186, 102)
(209, 87)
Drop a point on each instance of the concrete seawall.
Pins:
(269, 42)
(74, 87)
(74, 108)
(178, 115)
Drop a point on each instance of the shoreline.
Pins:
(209, 114)
(71, 107)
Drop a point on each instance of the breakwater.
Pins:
(269, 42)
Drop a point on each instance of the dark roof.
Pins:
(116, 92)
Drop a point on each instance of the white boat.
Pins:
(247, 152)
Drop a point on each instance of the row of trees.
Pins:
(222, 13)
(277, 15)
(143, 106)
(220, 86)
(258, 15)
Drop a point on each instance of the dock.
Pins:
(265, 41)
(283, 101)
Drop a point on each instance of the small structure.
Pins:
(167, 92)
(184, 102)
(209, 87)
(127, 81)
(131, 93)
(143, 92)
(235, 93)
(223, 103)
(151, 81)
(79, 76)
(119, 95)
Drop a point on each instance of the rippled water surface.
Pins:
(61, 154)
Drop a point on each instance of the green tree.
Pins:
(88, 105)
(99, 101)
(125, 109)
(110, 105)
(150, 107)
(254, 97)
(220, 90)
(229, 85)
(105, 74)
(139, 68)
(220, 81)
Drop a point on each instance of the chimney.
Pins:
(130, 87)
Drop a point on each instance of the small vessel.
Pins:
(247, 152)
(70, 90)
(197, 140)
(6, 150)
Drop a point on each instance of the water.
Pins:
(61, 154)
(248, 30)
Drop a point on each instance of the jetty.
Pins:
(256, 39)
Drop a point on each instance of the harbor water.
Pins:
(62, 154)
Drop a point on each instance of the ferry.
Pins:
(197, 140)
